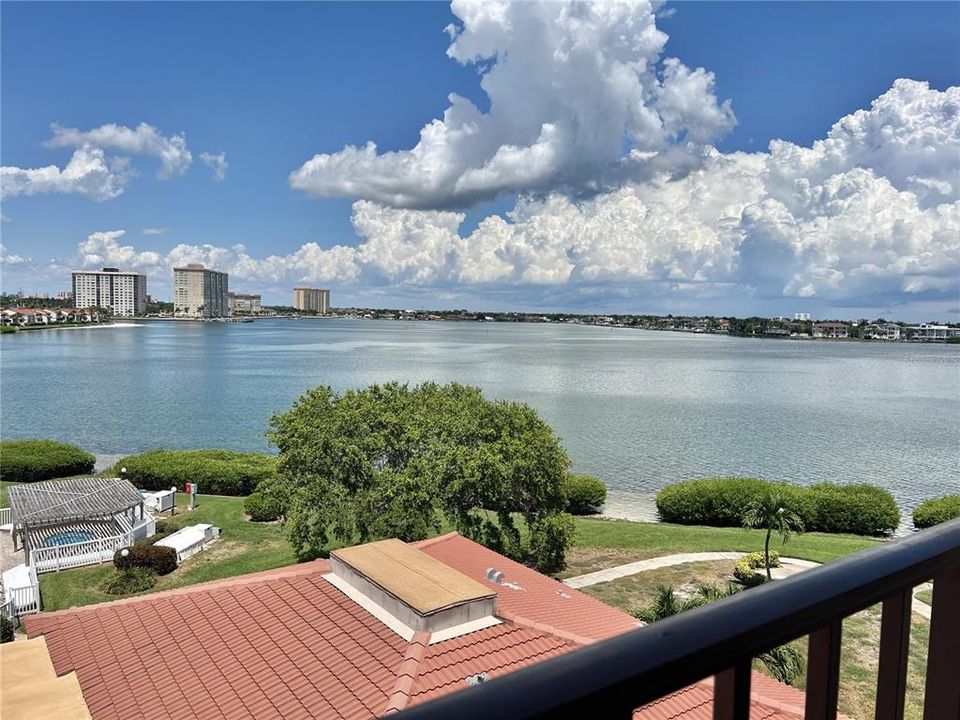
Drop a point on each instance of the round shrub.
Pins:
(585, 494)
(709, 501)
(755, 559)
(155, 558)
(262, 508)
(859, 509)
(824, 507)
(936, 511)
(34, 460)
(746, 573)
(127, 582)
(219, 472)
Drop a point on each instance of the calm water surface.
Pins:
(639, 409)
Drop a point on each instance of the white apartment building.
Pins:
(124, 293)
(244, 304)
(311, 300)
(199, 292)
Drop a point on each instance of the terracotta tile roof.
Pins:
(769, 700)
(288, 644)
(543, 603)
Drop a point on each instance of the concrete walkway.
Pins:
(788, 567)
(8, 558)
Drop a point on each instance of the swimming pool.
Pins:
(68, 537)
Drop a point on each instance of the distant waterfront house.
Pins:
(926, 332)
(25, 317)
(831, 330)
(882, 331)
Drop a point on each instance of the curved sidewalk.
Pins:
(789, 566)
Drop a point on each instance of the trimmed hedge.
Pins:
(219, 472)
(34, 460)
(823, 507)
(262, 508)
(585, 494)
(156, 558)
(936, 511)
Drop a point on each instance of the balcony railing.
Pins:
(612, 678)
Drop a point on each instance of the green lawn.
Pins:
(652, 539)
(248, 547)
(245, 547)
(3, 492)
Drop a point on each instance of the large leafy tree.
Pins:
(396, 461)
(772, 512)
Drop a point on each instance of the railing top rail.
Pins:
(627, 671)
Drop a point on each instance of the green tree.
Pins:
(771, 512)
(396, 461)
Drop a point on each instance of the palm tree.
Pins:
(666, 604)
(770, 511)
(785, 663)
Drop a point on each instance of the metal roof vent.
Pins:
(478, 679)
(496, 577)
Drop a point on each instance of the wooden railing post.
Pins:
(823, 671)
(894, 651)
(731, 692)
(942, 696)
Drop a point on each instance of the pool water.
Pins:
(68, 537)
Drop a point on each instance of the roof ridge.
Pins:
(522, 621)
(407, 672)
(419, 544)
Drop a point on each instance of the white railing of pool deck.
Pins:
(87, 552)
(90, 552)
(22, 600)
(5, 516)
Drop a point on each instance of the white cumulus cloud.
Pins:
(144, 139)
(864, 213)
(579, 96)
(104, 249)
(89, 172)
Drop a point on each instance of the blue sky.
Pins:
(272, 85)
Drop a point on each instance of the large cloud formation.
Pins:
(822, 221)
(578, 98)
(868, 215)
